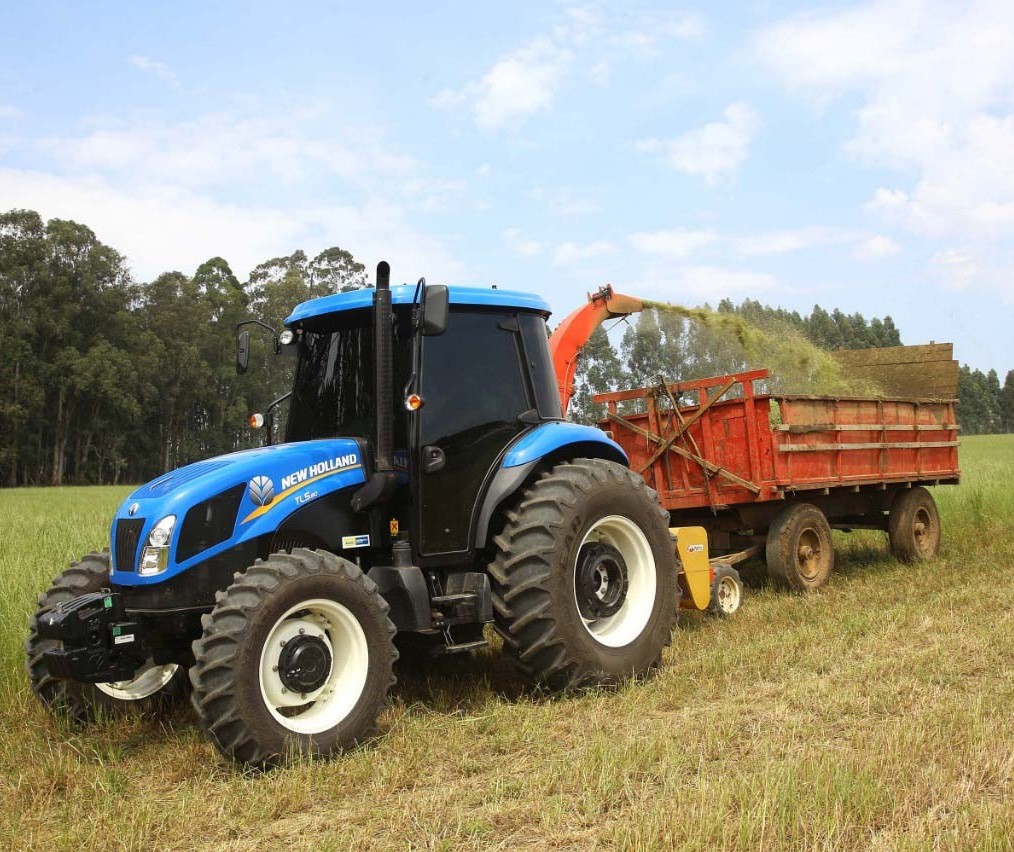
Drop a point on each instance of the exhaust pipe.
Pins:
(382, 481)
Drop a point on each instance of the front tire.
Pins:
(296, 657)
(584, 578)
(153, 689)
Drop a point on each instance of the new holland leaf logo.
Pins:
(261, 490)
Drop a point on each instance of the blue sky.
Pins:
(859, 155)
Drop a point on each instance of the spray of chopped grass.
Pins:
(796, 365)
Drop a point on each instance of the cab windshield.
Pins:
(333, 387)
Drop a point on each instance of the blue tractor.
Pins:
(427, 486)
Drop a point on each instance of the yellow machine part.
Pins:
(692, 550)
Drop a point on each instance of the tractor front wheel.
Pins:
(584, 578)
(296, 657)
(153, 688)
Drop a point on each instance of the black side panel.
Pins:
(323, 523)
(540, 366)
(474, 387)
(209, 523)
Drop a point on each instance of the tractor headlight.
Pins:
(155, 557)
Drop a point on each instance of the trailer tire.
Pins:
(913, 525)
(295, 658)
(154, 689)
(726, 592)
(799, 551)
(584, 578)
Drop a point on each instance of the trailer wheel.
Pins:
(296, 657)
(799, 552)
(584, 578)
(153, 688)
(913, 525)
(726, 591)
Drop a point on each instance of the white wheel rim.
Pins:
(622, 628)
(728, 594)
(148, 680)
(323, 708)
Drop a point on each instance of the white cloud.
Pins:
(676, 242)
(593, 36)
(564, 202)
(159, 69)
(247, 186)
(876, 247)
(957, 268)
(8, 111)
(934, 83)
(684, 242)
(570, 253)
(713, 151)
(789, 240)
(519, 86)
(165, 228)
(520, 243)
(226, 147)
(705, 283)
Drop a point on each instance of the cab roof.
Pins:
(403, 294)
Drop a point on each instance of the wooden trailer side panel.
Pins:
(735, 447)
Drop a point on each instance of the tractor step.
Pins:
(462, 647)
(459, 597)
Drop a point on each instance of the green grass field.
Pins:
(878, 713)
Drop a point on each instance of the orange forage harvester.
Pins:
(577, 327)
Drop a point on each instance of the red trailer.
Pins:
(776, 472)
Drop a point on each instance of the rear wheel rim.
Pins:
(148, 680)
(317, 710)
(923, 531)
(809, 554)
(623, 627)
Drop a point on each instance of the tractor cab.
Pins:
(470, 371)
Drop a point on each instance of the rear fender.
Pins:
(540, 448)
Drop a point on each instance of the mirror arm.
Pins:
(264, 325)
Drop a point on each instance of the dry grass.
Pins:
(875, 714)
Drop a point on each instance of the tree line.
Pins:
(104, 379)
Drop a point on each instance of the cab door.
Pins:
(474, 391)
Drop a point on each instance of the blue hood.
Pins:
(277, 481)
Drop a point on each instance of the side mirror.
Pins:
(438, 299)
(242, 351)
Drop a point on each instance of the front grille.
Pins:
(128, 533)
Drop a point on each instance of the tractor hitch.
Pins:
(99, 643)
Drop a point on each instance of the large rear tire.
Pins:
(296, 657)
(913, 525)
(584, 578)
(154, 688)
(799, 551)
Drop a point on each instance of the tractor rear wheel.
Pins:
(152, 689)
(296, 657)
(913, 525)
(584, 577)
(799, 552)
